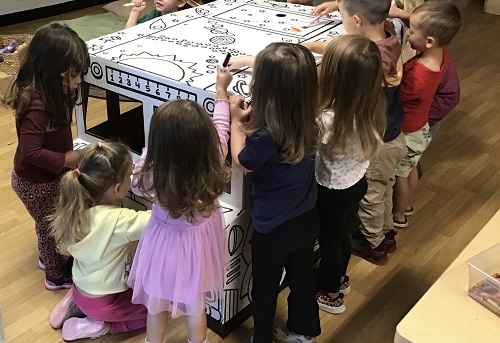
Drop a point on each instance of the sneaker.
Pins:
(330, 305)
(390, 242)
(362, 248)
(77, 328)
(283, 335)
(65, 309)
(409, 212)
(345, 287)
(251, 337)
(56, 284)
(41, 266)
(400, 225)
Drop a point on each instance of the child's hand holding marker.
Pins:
(137, 5)
(223, 80)
(193, 3)
(226, 62)
(236, 63)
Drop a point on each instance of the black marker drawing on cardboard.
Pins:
(158, 24)
(240, 266)
(213, 306)
(168, 65)
(242, 88)
(110, 39)
(95, 47)
(202, 11)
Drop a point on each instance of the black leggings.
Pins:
(336, 209)
(288, 246)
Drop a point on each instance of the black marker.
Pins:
(226, 61)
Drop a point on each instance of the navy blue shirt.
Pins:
(279, 191)
(395, 113)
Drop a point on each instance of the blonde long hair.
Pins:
(100, 166)
(351, 82)
(284, 99)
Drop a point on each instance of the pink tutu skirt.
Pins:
(177, 263)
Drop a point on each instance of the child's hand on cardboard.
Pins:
(325, 8)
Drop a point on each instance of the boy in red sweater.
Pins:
(432, 26)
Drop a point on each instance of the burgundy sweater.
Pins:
(40, 151)
(447, 95)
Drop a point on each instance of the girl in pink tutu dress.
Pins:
(181, 253)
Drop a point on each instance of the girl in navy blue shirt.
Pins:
(274, 141)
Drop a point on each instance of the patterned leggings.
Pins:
(39, 200)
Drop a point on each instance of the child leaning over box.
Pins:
(432, 26)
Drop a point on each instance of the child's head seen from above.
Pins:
(105, 168)
(102, 177)
(433, 24)
(356, 13)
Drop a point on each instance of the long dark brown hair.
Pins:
(55, 53)
(351, 81)
(284, 99)
(184, 157)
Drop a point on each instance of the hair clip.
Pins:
(77, 171)
(99, 144)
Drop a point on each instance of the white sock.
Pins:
(205, 341)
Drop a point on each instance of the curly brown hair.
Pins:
(184, 157)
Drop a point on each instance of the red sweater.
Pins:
(40, 151)
(418, 86)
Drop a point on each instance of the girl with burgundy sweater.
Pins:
(43, 97)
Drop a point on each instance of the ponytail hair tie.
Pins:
(77, 171)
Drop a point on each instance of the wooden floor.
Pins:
(459, 192)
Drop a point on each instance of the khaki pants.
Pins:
(375, 209)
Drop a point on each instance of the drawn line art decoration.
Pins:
(158, 25)
(222, 40)
(177, 70)
(209, 105)
(241, 87)
(96, 70)
(202, 11)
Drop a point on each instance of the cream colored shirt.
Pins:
(336, 169)
(104, 257)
